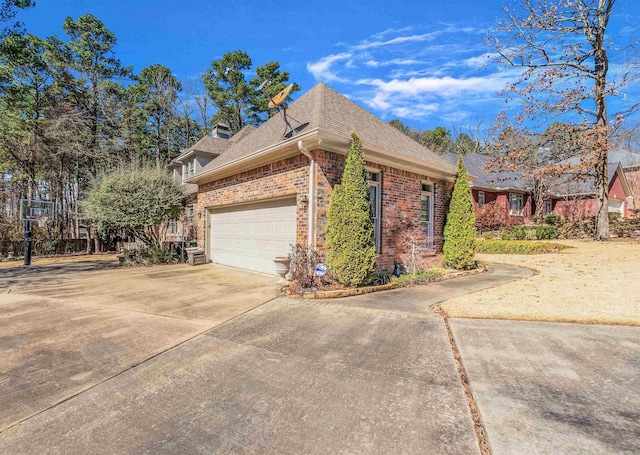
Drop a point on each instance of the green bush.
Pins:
(518, 232)
(136, 200)
(381, 276)
(553, 219)
(430, 276)
(147, 256)
(460, 230)
(517, 247)
(351, 246)
(546, 233)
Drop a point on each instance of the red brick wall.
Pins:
(633, 179)
(501, 199)
(282, 178)
(573, 209)
(400, 202)
(400, 197)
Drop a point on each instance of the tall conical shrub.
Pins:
(460, 231)
(351, 246)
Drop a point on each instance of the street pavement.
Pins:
(550, 388)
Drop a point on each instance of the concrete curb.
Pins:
(338, 293)
(351, 292)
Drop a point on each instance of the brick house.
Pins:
(508, 191)
(270, 188)
(575, 200)
(568, 198)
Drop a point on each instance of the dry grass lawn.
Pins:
(592, 283)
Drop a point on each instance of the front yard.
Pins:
(593, 283)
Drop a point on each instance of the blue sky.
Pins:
(424, 62)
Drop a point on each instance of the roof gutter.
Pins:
(311, 209)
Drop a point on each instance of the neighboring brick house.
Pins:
(271, 188)
(630, 162)
(506, 190)
(575, 200)
(571, 199)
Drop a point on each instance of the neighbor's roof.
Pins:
(567, 186)
(626, 158)
(476, 164)
(327, 112)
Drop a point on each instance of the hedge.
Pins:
(517, 247)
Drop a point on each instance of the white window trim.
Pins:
(423, 193)
(481, 195)
(188, 169)
(520, 197)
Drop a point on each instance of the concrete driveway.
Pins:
(65, 328)
(289, 377)
(550, 388)
(162, 360)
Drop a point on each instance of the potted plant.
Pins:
(282, 266)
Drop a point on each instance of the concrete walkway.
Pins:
(368, 374)
(551, 388)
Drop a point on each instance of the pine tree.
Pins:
(351, 246)
(460, 231)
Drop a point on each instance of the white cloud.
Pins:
(393, 62)
(379, 101)
(416, 111)
(437, 75)
(443, 86)
(480, 61)
(398, 40)
(321, 69)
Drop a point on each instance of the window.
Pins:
(516, 204)
(374, 197)
(188, 169)
(481, 199)
(190, 215)
(426, 210)
(548, 207)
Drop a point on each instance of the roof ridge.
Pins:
(320, 105)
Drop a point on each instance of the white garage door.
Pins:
(250, 236)
(616, 206)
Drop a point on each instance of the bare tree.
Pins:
(562, 49)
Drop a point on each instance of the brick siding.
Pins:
(400, 197)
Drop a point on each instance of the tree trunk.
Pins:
(601, 144)
(602, 198)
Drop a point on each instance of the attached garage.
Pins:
(249, 236)
(616, 206)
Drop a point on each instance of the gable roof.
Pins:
(566, 186)
(323, 112)
(476, 164)
(627, 158)
(208, 145)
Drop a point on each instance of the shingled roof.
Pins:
(568, 186)
(323, 111)
(476, 164)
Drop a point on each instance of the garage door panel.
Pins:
(250, 236)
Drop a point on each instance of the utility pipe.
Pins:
(312, 199)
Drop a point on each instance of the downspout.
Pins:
(312, 199)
